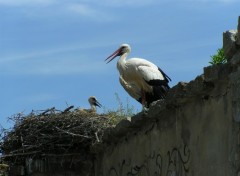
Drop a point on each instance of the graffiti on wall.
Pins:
(178, 162)
(173, 163)
(127, 168)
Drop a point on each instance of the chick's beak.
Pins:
(96, 103)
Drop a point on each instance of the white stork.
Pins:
(93, 103)
(143, 80)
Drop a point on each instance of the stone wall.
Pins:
(196, 131)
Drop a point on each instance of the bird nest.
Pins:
(42, 133)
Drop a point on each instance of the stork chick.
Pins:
(93, 103)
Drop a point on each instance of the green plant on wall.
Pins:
(218, 58)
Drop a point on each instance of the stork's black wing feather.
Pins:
(160, 88)
(165, 75)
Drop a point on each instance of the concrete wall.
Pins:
(196, 131)
(54, 165)
(197, 137)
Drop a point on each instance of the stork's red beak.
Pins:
(113, 55)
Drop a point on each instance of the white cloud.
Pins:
(38, 53)
(210, 1)
(54, 66)
(128, 3)
(52, 8)
(89, 11)
(54, 62)
(5, 59)
(84, 5)
(81, 9)
(134, 3)
(26, 2)
(224, 1)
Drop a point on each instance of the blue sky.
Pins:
(52, 51)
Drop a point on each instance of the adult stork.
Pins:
(143, 80)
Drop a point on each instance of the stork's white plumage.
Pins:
(143, 80)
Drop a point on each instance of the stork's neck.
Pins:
(121, 64)
(93, 108)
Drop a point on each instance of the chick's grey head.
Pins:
(93, 101)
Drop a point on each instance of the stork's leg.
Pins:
(143, 98)
(144, 108)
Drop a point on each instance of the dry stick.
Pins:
(62, 154)
(22, 143)
(68, 109)
(19, 154)
(96, 134)
(22, 150)
(72, 134)
(46, 111)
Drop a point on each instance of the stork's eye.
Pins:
(123, 49)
